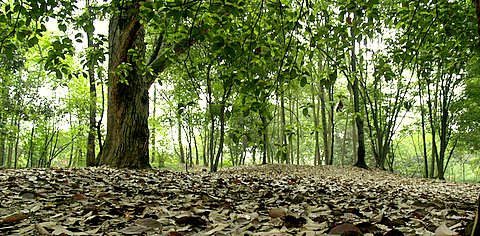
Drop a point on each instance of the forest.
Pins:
(239, 117)
(184, 84)
(391, 84)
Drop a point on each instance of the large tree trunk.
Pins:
(126, 143)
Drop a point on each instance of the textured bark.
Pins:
(126, 143)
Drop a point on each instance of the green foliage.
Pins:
(233, 60)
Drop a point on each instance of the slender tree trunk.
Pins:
(344, 142)
(433, 130)
(354, 137)
(30, 148)
(197, 155)
(222, 138)
(283, 136)
(244, 150)
(179, 137)
(291, 156)
(265, 138)
(126, 143)
(424, 140)
(254, 154)
(100, 120)
(211, 140)
(298, 131)
(205, 148)
(17, 144)
(356, 107)
(190, 140)
(9, 154)
(91, 161)
(154, 127)
(325, 132)
(316, 122)
(2, 150)
(331, 124)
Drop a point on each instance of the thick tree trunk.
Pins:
(126, 143)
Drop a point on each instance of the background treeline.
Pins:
(257, 81)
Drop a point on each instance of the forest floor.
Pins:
(248, 200)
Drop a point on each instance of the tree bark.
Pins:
(356, 107)
(180, 143)
(283, 136)
(265, 137)
(323, 111)
(126, 143)
(316, 122)
(91, 161)
(154, 128)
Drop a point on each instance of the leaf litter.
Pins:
(247, 200)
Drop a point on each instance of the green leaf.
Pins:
(21, 35)
(303, 81)
(62, 27)
(305, 111)
(33, 41)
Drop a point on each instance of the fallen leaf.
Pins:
(277, 213)
(13, 218)
(443, 230)
(345, 228)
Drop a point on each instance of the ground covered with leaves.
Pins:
(250, 200)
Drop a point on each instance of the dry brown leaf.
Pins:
(277, 213)
(243, 199)
(443, 230)
(13, 218)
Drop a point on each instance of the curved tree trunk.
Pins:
(126, 143)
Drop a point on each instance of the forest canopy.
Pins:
(388, 84)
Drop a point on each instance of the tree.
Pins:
(130, 75)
